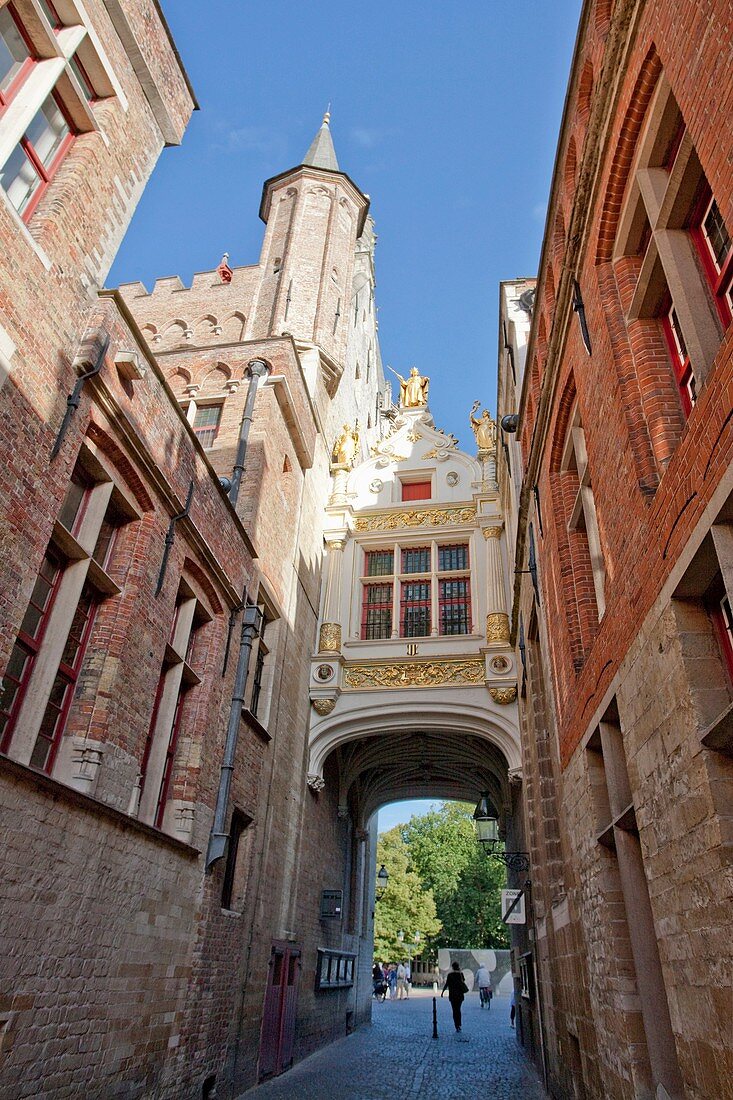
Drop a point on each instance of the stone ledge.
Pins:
(57, 790)
(255, 725)
(719, 734)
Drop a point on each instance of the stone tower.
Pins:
(314, 215)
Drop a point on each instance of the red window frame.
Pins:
(463, 601)
(374, 559)
(170, 756)
(423, 550)
(46, 174)
(151, 728)
(720, 279)
(30, 644)
(52, 15)
(76, 63)
(680, 359)
(203, 430)
(67, 674)
(416, 490)
(454, 546)
(412, 603)
(381, 606)
(20, 77)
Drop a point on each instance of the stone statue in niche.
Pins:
(346, 447)
(484, 428)
(413, 390)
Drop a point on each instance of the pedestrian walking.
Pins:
(513, 1008)
(483, 981)
(408, 978)
(392, 981)
(457, 990)
(401, 982)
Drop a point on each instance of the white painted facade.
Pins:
(439, 685)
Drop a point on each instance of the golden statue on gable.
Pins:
(413, 390)
(484, 428)
(345, 447)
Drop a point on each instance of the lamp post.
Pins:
(382, 880)
(410, 947)
(487, 833)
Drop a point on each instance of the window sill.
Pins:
(719, 734)
(256, 725)
(32, 778)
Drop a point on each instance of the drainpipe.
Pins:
(258, 368)
(74, 399)
(251, 625)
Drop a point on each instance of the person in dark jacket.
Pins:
(457, 990)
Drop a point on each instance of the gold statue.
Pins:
(345, 447)
(413, 390)
(484, 429)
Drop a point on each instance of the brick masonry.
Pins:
(123, 975)
(651, 667)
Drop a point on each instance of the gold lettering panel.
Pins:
(460, 671)
(419, 517)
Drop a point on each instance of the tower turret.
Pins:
(314, 215)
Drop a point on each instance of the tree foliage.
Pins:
(406, 906)
(440, 853)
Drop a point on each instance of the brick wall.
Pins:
(659, 482)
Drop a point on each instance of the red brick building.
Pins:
(165, 860)
(622, 611)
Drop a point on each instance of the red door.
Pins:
(278, 1017)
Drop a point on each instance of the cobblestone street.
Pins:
(397, 1056)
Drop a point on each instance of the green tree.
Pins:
(406, 906)
(465, 883)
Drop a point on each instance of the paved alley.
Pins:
(397, 1056)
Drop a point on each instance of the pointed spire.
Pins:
(322, 153)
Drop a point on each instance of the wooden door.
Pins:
(277, 1036)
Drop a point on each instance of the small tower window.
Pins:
(206, 424)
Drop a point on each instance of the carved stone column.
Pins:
(340, 473)
(329, 637)
(497, 619)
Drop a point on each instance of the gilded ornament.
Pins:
(329, 638)
(492, 532)
(324, 672)
(399, 674)
(503, 696)
(420, 517)
(500, 664)
(323, 706)
(497, 627)
(484, 428)
(345, 447)
(413, 390)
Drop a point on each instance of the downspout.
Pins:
(251, 624)
(74, 399)
(258, 368)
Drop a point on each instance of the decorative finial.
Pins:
(327, 115)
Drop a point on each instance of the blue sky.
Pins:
(446, 114)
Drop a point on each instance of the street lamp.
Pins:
(382, 880)
(410, 946)
(487, 832)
